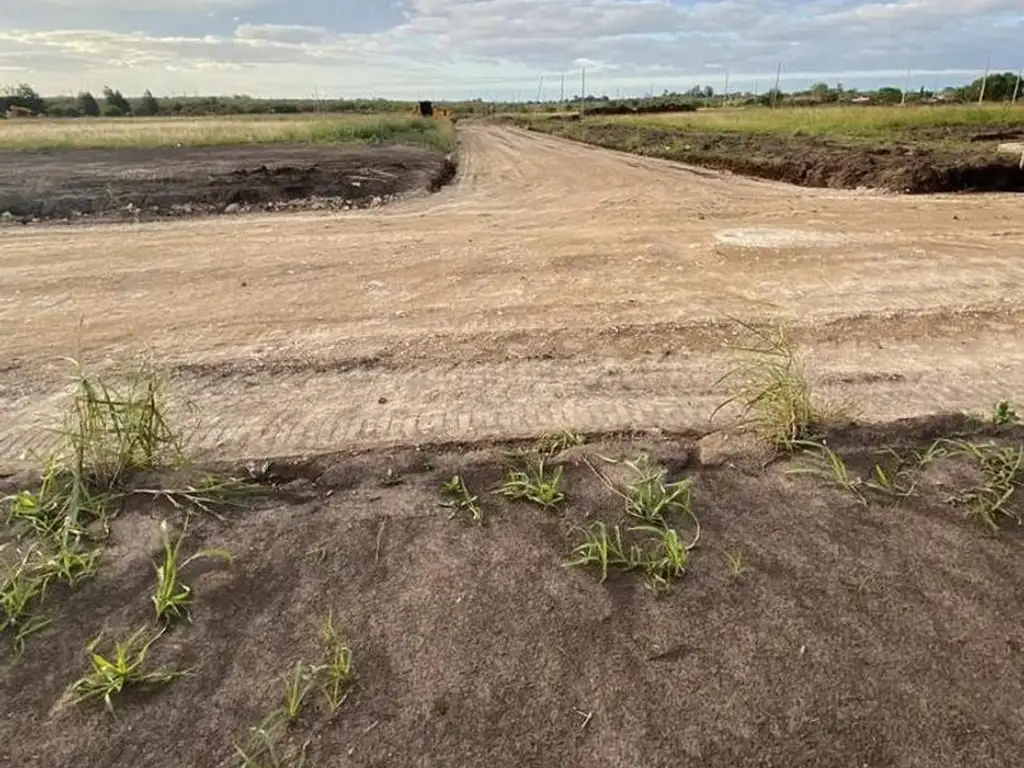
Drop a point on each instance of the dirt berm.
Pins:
(811, 629)
(144, 184)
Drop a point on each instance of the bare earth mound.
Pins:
(966, 163)
(849, 634)
(135, 184)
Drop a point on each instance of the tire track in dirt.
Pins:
(553, 285)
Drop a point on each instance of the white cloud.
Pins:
(498, 47)
(185, 6)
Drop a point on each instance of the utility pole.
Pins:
(725, 96)
(1016, 88)
(906, 86)
(778, 78)
(984, 82)
(583, 91)
(540, 88)
(561, 100)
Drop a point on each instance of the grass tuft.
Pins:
(602, 548)
(125, 666)
(737, 565)
(996, 499)
(651, 499)
(171, 596)
(552, 445)
(263, 748)
(821, 461)
(1004, 413)
(536, 485)
(336, 675)
(773, 390)
(111, 432)
(461, 499)
(297, 687)
(668, 559)
(22, 589)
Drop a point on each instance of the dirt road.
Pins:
(553, 285)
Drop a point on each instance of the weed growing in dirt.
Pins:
(552, 445)
(899, 482)
(58, 517)
(1002, 468)
(297, 687)
(668, 559)
(1004, 413)
(125, 666)
(111, 432)
(651, 499)
(818, 460)
(821, 461)
(335, 675)
(264, 750)
(21, 590)
(171, 596)
(774, 393)
(535, 485)
(460, 499)
(601, 548)
(209, 495)
(737, 567)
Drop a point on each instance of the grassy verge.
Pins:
(872, 123)
(122, 133)
(916, 150)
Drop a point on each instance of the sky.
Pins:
(504, 49)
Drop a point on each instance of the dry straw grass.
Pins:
(846, 121)
(119, 133)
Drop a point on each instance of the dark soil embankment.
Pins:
(810, 629)
(910, 166)
(134, 184)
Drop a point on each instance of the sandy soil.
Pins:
(852, 635)
(554, 284)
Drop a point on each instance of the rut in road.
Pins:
(554, 285)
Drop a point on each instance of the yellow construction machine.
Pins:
(427, 109)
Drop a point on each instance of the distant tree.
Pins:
(116, 104)
(22, 95)
(999, 86)
(772, 97)
(148, 106)
(822, 92)
(87, 104)
(889, 95)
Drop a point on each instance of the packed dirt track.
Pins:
(552, 285)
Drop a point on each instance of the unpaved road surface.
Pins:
(553, 285)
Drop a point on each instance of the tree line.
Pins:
(23, 98)
(113, 103)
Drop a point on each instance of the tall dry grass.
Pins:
(120, 133)
(867, 122)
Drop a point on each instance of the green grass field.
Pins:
(867, 122)
(114, 133)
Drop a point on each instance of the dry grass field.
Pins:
(587, 459)
(149, 133)
(872, 122)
